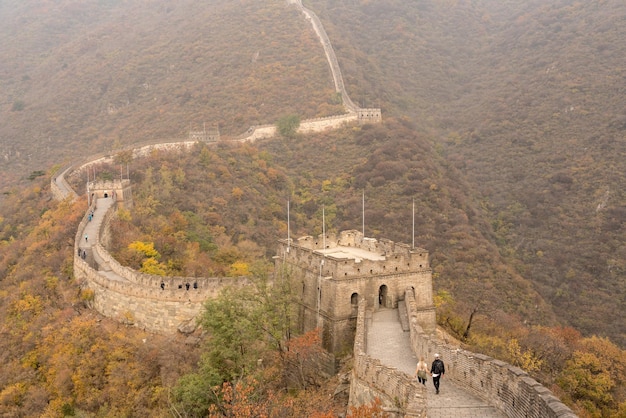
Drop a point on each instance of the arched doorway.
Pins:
(354, 304)
(382, 296)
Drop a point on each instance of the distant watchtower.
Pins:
(334, 271)
(369, 115)
(205, 135)
(118, 190)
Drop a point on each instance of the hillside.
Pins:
(524, 99)
(85, 77)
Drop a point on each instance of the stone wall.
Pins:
(59, 187)
(502, 385)
(315, 124)
(329, 122)
(400, 395)
(330, 54)
(154, 303)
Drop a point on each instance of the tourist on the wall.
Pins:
(437, 370)
(422, 371)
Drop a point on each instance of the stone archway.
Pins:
(354, 304)
(382, 296)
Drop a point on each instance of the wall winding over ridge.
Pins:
(330, 54)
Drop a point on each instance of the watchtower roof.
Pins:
(350, 253)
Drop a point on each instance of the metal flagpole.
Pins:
(413, 228)
(324, 226)
(363, 217)
(319, 278)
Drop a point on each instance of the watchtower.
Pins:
(334, 271)
(118, 190)
(369, 115)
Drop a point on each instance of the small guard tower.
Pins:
(334, 271)
(118, 190)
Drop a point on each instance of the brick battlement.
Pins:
(343, 260)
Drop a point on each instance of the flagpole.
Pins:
(363, 216)
(324, 226)
(413, 228)
(319, 278)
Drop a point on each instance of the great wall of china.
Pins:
(169, 305)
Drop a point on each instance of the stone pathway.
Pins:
(387, 342)
(91, 230)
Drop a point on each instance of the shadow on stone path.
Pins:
(387, 342)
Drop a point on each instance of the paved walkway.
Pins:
(90, 232)
(387, 342)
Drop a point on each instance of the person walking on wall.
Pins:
(437, 370)
(422, 371)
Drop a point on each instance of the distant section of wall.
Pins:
(506, 387)
(330, 54)
(400, 395)
(323, 124)
(258, 132)
(59, 187)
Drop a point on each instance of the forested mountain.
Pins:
(504, 123)
(83, 77)
(527, 100)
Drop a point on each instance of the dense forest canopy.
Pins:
(504, 122)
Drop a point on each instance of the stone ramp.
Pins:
(387, 342)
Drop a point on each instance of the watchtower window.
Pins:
(382, 296)
(354, 299)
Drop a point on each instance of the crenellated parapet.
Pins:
(508, 388)
(350, 255)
